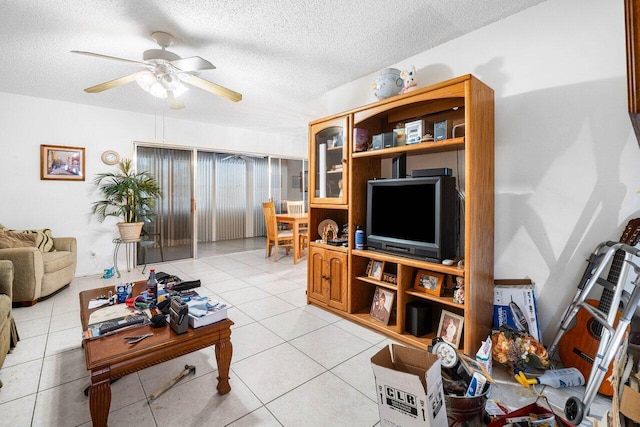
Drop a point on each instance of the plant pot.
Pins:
(130, 230)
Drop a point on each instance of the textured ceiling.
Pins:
(282, 55)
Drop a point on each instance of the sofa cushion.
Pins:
(16, 239)
(44, 239)
(5, 309)
(54, 261)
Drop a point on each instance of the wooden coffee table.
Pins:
(111, 357)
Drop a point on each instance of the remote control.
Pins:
(117, 324)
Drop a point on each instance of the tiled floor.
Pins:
(293, 364)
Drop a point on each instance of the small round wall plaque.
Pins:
(110, 157)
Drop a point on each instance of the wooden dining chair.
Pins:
(275, 238)
(297, 206)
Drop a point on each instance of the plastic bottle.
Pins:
(359, 238)
(557, 378)
(152, 288)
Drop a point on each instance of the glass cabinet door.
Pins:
(329, 147)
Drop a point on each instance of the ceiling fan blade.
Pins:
(211, 87)
(173, 102)
(98, 55)
(114, 83)
(194, 63)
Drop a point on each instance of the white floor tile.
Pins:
(366, 334)
(70, 319)
(251, 339)
(330, 345)
(197, 403)
(32, 328)
(244, 295)
(358, 372)
(37, 311)
(293, 324)
(266, 307)
(278, 286)
(282, 368)
(155, 377)
(260, 417)
(17, 413)
(65, 340)
(137, 414)
(27, 349)
(340, 405)
(297, 297)
(20, 380)
(62, 368)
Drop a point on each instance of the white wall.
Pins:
(64, 206)
(566, 157)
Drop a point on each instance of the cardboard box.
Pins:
(514, 304)
(409, 387)
(629, 404)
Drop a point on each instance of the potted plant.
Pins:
(128, 195)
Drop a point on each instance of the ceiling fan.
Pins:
(164, 73)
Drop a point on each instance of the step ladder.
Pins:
(612, 337)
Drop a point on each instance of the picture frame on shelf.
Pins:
(389, 278)
(58, 162)
(429, 282)
(382, 304)
(377, 267)
(369, 268)
(450, 327)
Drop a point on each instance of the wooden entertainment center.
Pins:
(337, 275)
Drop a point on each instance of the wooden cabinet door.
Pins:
(328, 150)
(328, 277)
(336, 268)
(317, 284)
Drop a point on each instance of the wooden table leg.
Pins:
(100, 397)
(296, 243)
(224, 350)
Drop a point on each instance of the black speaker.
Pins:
(418, 318)
(399, 166)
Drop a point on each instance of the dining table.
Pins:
(295, 220)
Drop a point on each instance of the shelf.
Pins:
(411, 262)
(440, 300)
(378, 282)
(413, 149)
(365, 317)
(328, 246)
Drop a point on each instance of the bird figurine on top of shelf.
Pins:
(409, 79)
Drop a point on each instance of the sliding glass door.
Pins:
(212, 196)
(172, 225)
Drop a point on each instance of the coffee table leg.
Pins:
(224, 350)
(100, 397)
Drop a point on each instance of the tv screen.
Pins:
(416, 217)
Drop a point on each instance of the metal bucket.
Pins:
(465, 411)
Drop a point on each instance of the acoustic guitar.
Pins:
(578, 346)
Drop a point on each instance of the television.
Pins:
(413, 217)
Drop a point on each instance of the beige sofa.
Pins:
(8, 332)
(40, 271)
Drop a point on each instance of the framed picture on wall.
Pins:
(62, 163)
